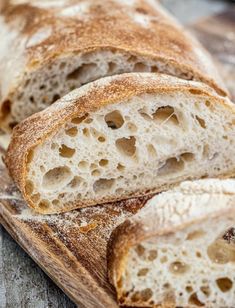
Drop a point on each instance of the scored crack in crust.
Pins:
(121, 136)
(178, 250)
(49, 48)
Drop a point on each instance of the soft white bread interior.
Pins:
(179, 250)
(49, 48)
(120, 137)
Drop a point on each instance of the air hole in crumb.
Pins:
(112, 67)
(44, 204)
(205, 290)
(83, 165)
(152, 255)
(195, 91)
(96, 172)
(119, 191)
(81, 72)
(29, 187)
(56, 178)
(195, 235)
(189, 289)
(146, 294)
(56, 97)
(78, 120)
(120, 167)
(151, 150)
(55, 202)
(178, 267)
(135, 297)
(140, 67)
(143, 272)
(66, 151)
(187, 157)
(126, 145)
(140, 250)
(201, 122)
(145, 115)
(206, 151)
(225, 284)
(62, 195)
(103, 185)
(76, 182)
(103, 162)
(72, 132)
(154, 69)
(6, 108)
(132, 59)
(165, 114)
(86, 132)
(30, 156)
(42, 169)
(172, 165)
(31, 98)
(114, 119)
(101, 139)
(220, 252)
(198, 254)
(193, 299)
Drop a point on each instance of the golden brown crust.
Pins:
(37, 128)
(139, 30)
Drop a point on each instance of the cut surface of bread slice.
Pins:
(120, 137)
(179, 250)
(49, 48)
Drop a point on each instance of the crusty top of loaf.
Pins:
(35, 129)
(190, 202)
(37, 32)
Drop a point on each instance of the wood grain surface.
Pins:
(71, 247)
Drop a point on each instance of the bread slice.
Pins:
(49, 48)
(179, 250)
(121, 137)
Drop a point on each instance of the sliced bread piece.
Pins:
(49, 48)
(121, 137)
(179, 250)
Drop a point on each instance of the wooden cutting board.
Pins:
(71, 247)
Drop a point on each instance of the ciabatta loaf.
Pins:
(120, 137)
(179, 250)
(49, 48)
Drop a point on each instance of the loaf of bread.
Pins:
(119, 137)
(49, 48)
(179, 250)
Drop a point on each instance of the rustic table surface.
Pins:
(22, 283)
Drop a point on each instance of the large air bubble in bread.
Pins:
(132, 146)
(179, 250)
